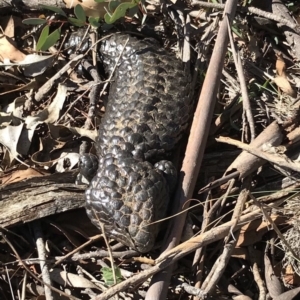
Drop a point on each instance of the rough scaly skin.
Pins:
(148, 110)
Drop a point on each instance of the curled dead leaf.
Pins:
(90, 7)
(9, 137)
(253, 231)
(272, 281)
(50, 114)
(285, 86)
(10, 27)
(19, 175)
(8, 51)
(69, 279)
(280, 65)
(289, 276)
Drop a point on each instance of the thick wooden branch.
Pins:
(39, 197)
(32, 4)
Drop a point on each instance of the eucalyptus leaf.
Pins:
(80, 13)
(42, 38)
(119, 12)
(55, 9)
(51, 40)
(34, 21)
(76, 22)
(108, 277)
(112, 5)
(94, 22)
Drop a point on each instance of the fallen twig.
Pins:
(195, 148)
(282, 161)
(169, 257)
(253, 10)
(43, 90)
(40, 246)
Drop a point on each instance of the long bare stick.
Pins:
(196, 145)
(280, 160)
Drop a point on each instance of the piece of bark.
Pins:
(289, 295)
(272, 282)
(39, 197)
(90, 7)
(292, 37)
(33, 4)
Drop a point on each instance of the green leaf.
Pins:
(94, 22)
(108, 276)
(34, 21)
(51, 39)
(76, 22)
(119, 12)
(55, 9)
(80, 13)
(100, 1)
(112, 5)
(42, 38)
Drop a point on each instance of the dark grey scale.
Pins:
(88, 164)
(170, 173)
(148, 109)
(110, 172)
(141, 196)
(135, 221)
(138, 154)
(136, 207)
(107, 160)
(116, 204)
(135, 190)
(133, 179)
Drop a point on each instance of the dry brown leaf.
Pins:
(273, 283)
(50, 114)
(289, 295)
(19, 175)
(69, 279)
(10, 28)
(92, 134)
(284, 85)
(16, 108)
(91, 8)
(280, 66)
(24, 87)
(43, 156)
(289, 276)
(281, 79)
(35, 289)
(8, 51)
(253, 231)
(13, 134)
(34, 65)
(62, 133)
(9, 137)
